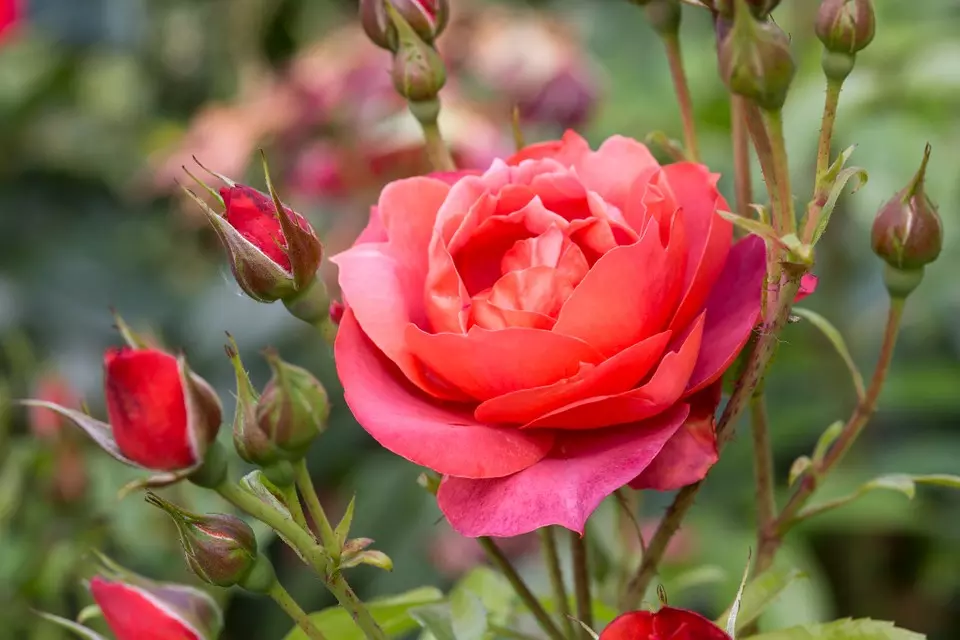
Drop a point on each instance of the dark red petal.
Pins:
(635, 625)
(132, 615)
(146, 407)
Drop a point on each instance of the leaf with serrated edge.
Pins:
(832, 334)
(845, 629)
(760, 593)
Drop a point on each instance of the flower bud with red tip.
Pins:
(418, 71)
(908, 233)
(846, 26)
(666, 624)
(427, 18)
(756, 62)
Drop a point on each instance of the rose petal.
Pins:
(732, 311)
(485, 364)
(374, 231)
(668, 624)
(567, 151)
(614, 375)
(689, 454)
(612, 169)
(808, 284)
(563, 488)
(629, 294)
(132, 613)
(664, 388)
(453, 177)
(439, 436)
(488, 315)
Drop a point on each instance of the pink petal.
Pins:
(808, 284)
(629, 294)
(689, 454)
(615, 375)
(567, 151)
(563, 488)
(453, 177)
(732, 311)
(612, 169)
(439, 436)
(374, 231)
(485, 364)
(664, 388)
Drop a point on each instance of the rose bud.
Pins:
(427, 18)
(293, 409)
(755, 61)
(846, 26)
(418, 71)
(666, 624)
(162, 416)
(220, 548)
(131, 605)
(274, 253)
(908, 233)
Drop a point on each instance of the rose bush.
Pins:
(549, 331)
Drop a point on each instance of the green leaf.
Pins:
(494, 592)
(901, 482)
(842, 178)
(436, 619)
(839, 344)
(799, 467)
(731, 625)
(392, 613)
(845, 629)
(699, 576)
(826, 439)
(758, 594)
(755, 227)
(468, 615)
(343, 529)
(78, 629)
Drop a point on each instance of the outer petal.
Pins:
(439, 436)
(689, 454)
(732, 311)
(614, 375)
(133, 614)
(808, 284)
(663, 389)
(613, 168)
(147, 408)
(666, 624)
(635, 625)
(374, 231)
(567, 151)
(562, 489)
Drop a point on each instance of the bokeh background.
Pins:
(102, 101)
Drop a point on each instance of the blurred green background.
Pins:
(95, 100)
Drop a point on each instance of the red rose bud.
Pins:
(293, 409)
(908, 233)
(427, 18)
(666, 624)
(846, 26)
(755, 61)
(221, 549)
(418, 70)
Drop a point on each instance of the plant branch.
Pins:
(315, 509)
(763, 470)
(784, 221)
(741, 154)
(427, 114)
(283, 598)
(552, 560)
(581, 581)
(520, 587)
(671, 43)
(826, 126)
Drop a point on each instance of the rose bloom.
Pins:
(666, 624)
(549, 331)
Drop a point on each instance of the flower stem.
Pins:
(762, 465)
(783, 217)
(741, 154)
(552, 560)
(581, 581)
(315, 509)
(427, 113)
(753, 373)
(520, 587)
(292, 500)
(283, 598)
(826, 126)
(671, 42)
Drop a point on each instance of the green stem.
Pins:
(581, 581)
(283, 598)
(292, 500)
(826, 126)
(671, 42)
(314, 554)
(315, 509)
(741, 155)
(520, 587)
(552, 559)
(784, 221)
(763, 473)
(427, 114)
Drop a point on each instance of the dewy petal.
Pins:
(133, 614)
(563, 488)
(439, 436)
(629, 295)
(662, 390)
(147, 408)
(614, 375)
(485, 364)
(708, 235)
(732, 311)
(612, 169)
(689, 454)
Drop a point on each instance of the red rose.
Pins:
(162, 415)
(666, 624)
(549, 331)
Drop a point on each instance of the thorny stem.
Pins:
(741, 154)
(581, 581)
(520, 587)
(675, 59)
(283, 598)
(753, 373)
(315, 509)
(552, 560)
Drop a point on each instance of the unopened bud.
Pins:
(418, 70)
(846, 26)
(427, 18)
(907, 232)
(755, 61)
(293, 409)
(221, 549)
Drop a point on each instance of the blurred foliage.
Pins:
(91, 92)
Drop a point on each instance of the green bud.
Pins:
(252, 444)
(846, 26)
(418, 70)
(221, 549)
(293, 408)
(756, 62)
